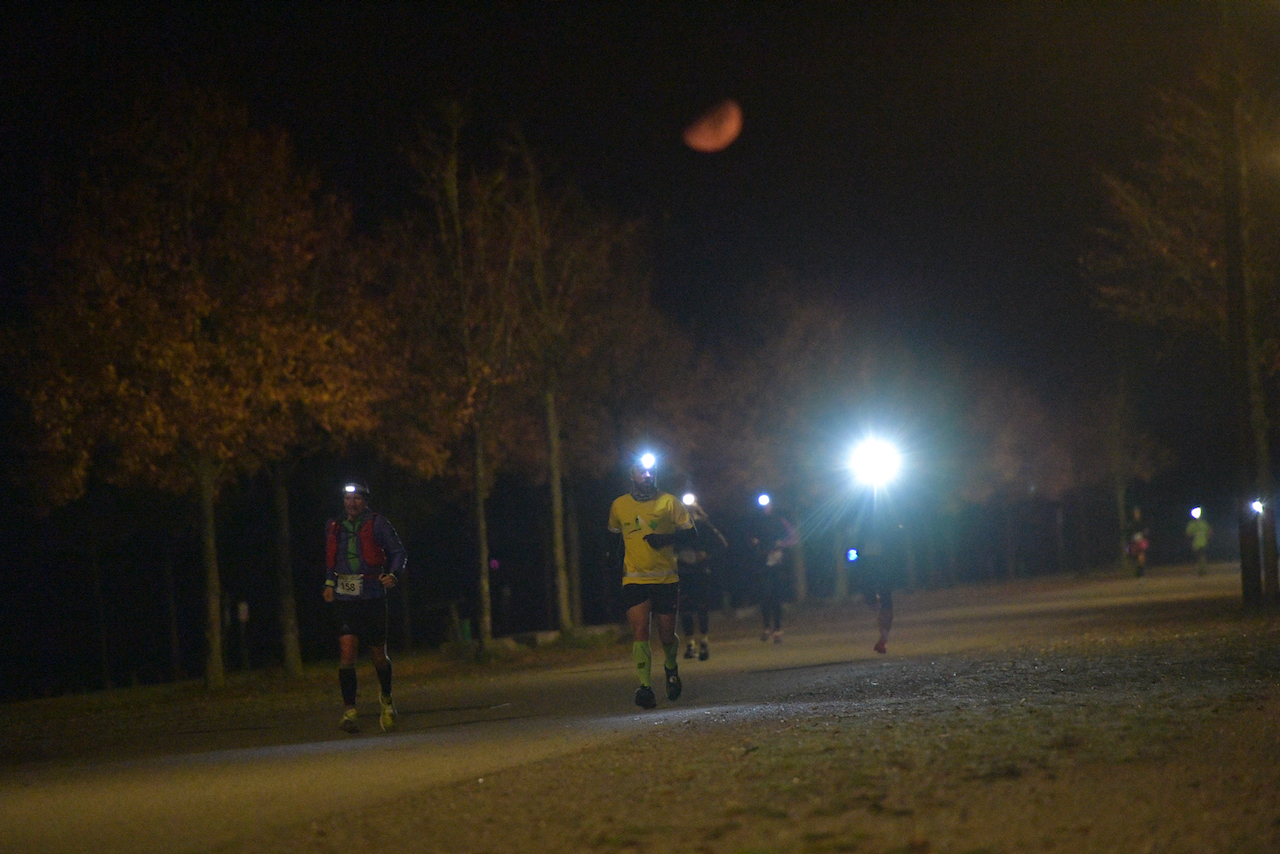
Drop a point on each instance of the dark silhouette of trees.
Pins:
(1192, 248)
(173, 345)
(533, 306)
(473, 254)
(582, 264)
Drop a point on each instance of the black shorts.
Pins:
(364, 618)
(665, 597)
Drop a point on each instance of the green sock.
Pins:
(671, 649)
(642, 655)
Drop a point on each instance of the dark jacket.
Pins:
(379, 551)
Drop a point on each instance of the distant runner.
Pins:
(363, 560)
(652, 524)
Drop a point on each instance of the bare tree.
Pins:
(581, 263)
(471, 275)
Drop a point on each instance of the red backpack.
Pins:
(373, 554)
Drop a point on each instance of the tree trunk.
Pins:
(953, 550)
(484, 606)
(1260, 439)
(100, 602)
(177, 671)
(555, 476)
(799, 573)
(1261, 429)
(928, 575)
(1060, 536)
(574, 544)
(1010, 543)
(1121, 496)
(215, 675)
(284, 574)
(1239, 324)
(1270, 582)
(1250, 556)
(912, 565)
(840, 590)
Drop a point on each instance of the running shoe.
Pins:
(688, 650)
(348, 722)
(880, 647)
(703, 652)
(777, 637)
(673, 683)
(645, 698)
(389, 713)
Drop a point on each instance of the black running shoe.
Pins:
(688, 650)
(673, 684)
(703, 652)
(645, 698)
(348, 722)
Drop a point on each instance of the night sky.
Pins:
(934, 164)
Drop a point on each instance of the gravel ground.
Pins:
(1133, 727)
(1145, 738)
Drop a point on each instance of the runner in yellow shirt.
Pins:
(653, 525)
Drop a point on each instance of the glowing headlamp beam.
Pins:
(875, 462)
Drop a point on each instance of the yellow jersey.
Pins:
(643, 564)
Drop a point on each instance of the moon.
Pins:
(716, 129)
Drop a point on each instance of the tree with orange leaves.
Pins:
(176, 345)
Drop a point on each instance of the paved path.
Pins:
(185, 801)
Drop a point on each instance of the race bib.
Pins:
(350, 585)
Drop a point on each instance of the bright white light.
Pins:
(689, 499)
(1256, 505)
(647, 461)
(763, 500)
(875, 462)
(1195, 512)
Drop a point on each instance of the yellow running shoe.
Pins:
(388, 718)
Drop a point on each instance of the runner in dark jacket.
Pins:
(364, 560)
